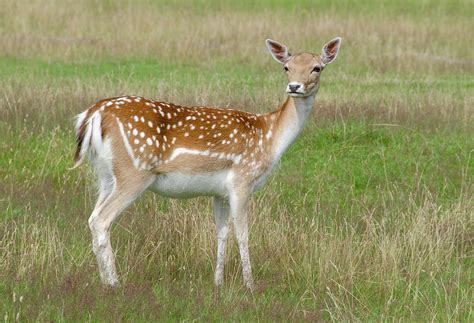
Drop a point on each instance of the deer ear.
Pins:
(279, 51)
(330, 50)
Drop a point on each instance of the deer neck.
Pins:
(287, 123)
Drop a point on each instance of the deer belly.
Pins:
(184, 185)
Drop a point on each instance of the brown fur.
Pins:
(155, 129)
(193, 164)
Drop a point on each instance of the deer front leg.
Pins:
(221, 218)
(238, 208)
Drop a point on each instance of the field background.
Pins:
(368, 217)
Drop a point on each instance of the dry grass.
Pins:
(82, 31)
(334, 268)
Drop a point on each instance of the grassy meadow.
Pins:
(368, 217)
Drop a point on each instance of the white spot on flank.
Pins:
(142, 134)
(149, 141)
(180, 151)
(136, 118)
(135, 132)
(150, 124)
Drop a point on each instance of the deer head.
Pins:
(303, 69)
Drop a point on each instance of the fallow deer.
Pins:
(137, 144)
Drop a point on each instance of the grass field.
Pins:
(369, 216)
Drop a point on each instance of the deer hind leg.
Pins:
(238, 210)
(221, 218)
(105, 180)
(123, 194)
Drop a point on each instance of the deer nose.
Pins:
(294, 87)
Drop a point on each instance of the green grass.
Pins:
(368, 216)
(333, 175)
(366, 158)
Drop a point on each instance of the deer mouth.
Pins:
(295, 93)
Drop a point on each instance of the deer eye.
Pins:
(286, 69)
(317, 69)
